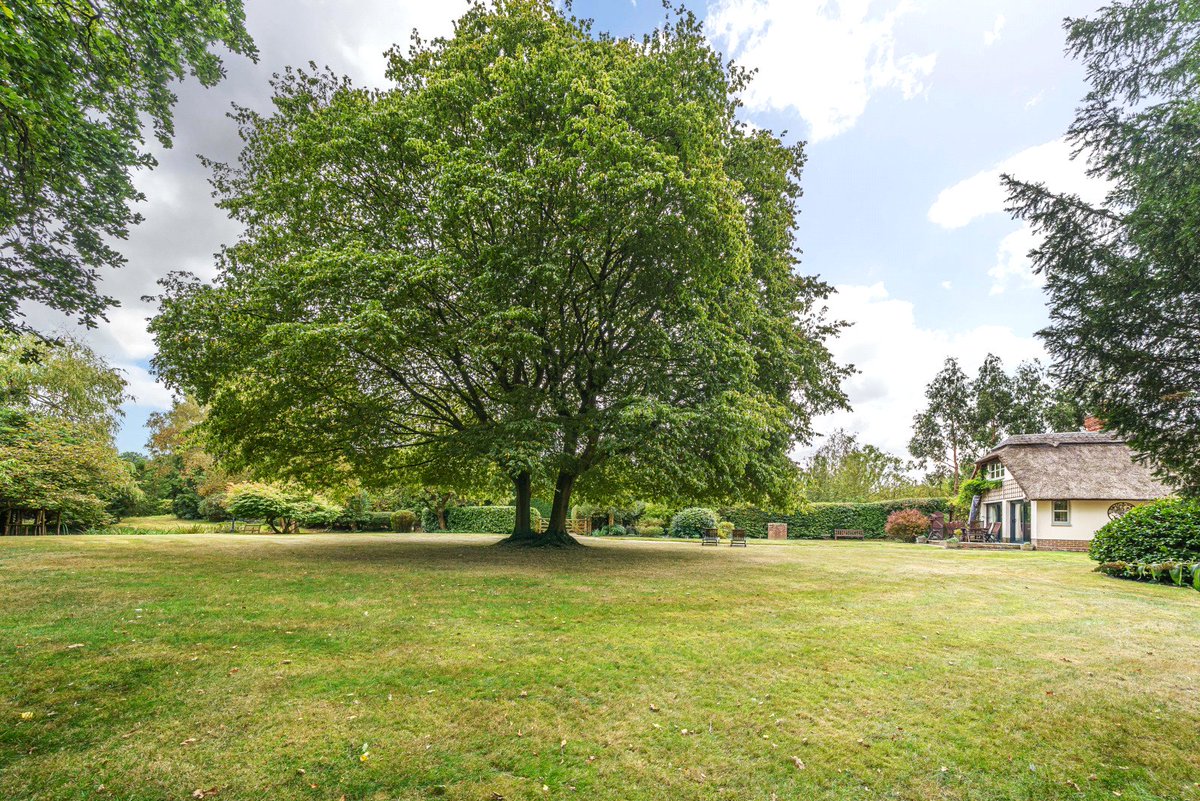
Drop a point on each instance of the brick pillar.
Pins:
(777, 531)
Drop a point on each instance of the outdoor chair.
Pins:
(709, 537)
(937, 527)
(993, 532)
(738, 538)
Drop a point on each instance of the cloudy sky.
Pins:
(911, 108)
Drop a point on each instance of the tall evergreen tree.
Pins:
(1123, 277)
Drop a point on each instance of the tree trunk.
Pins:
(556, 535)
(523, 489)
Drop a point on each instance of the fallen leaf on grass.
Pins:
(653, 708)
(202, 794)
(76, 645)
(188, 741)
(26, 716)
(798, 762)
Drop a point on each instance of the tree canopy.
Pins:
(59, 406)
(964, 417)
(1123, 276)
(77, 82)
(547, 256)
(843, 469)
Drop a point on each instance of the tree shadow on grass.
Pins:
(480, 554)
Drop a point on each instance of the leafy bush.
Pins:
(213, 507)
(615, 530)
(1181, 574)
(186, 505)
(1162, 531)
(403, 521)
(252, 501)
(376, 521)
(484, 519)
(818, 520)
(650, 531)
(692, 521)
(906, 525)
(725, 529)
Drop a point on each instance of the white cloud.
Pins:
(947, 285)
(1012, 267)
(983, 194)
(143, 388)
(896, 358)
(824, 60)
(993, 36)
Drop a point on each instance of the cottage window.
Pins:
(1061, 513)
(995, 471)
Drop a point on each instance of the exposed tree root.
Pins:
(548, 539)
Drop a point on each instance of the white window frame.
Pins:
(995, 471)
(1055, 511)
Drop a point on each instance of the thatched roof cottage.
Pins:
(1059, 489)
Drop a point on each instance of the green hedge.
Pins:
(818, 520)
(484, 519)
(1165, 530)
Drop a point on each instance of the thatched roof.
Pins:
(1078, 465)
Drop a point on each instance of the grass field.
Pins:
(261, 667)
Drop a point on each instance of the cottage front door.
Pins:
(1018, 521)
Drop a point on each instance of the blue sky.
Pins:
(910, 108)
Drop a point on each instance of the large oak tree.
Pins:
(549, 252)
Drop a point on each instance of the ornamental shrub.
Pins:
(725, 529)
(1181, 574)
(692, 521)
(615, 530)
(1163, 531)
(650, 531)
(213, 507)
(906, 525)
(403, 521)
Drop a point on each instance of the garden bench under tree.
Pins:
(709, 537)
(849, 534)
(738, 537)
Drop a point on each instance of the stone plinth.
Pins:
(777, 531)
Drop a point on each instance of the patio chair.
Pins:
(993, 531)
(738, 538)
(709, 537)
(937, 526)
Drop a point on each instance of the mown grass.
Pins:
(259, 666)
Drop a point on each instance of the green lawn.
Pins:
(259, 666)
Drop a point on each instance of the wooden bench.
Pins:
(709, 537)
(246, 526)
(738, 538)
(849, 534)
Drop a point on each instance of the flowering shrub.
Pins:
(906, 525)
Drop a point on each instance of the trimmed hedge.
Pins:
(484, 519)
(1166, 530)
(818, 520)
(1181, 574)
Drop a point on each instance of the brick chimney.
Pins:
(1093, 424)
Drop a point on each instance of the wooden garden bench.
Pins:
(246, 526)
(849, 534)
(738, 538)
(709, 537)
